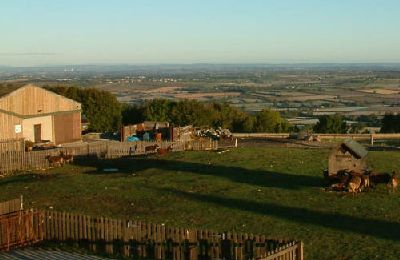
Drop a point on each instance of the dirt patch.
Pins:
(260, 142)
(206, 95)
(381, 91)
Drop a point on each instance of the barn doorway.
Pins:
(37, 131)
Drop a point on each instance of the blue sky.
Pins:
(38, 32)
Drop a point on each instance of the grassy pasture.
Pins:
(267, 190)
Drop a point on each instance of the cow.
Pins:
(376, 178)
(151, 148)
(68, 158)
(393, 182)
(354, 184)
(55, 160)
(163, 151)
(365, 182)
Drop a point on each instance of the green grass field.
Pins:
(271, 191)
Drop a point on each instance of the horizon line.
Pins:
(197, 63)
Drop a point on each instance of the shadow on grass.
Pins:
(236, 174)
(377, 228)
(24, 178)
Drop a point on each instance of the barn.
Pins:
(39, 115)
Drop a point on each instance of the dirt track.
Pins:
(259, 142)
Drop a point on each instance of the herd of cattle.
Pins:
(59, 160)
(62, 158)
(355, 182)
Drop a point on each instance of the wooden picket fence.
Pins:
(11, 206)
(21, 228)
(154, 241)
(13, 156)
(135, 239)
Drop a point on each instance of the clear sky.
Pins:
(37, 32)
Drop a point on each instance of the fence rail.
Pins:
(17, 159)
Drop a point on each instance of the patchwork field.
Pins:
(267, 190)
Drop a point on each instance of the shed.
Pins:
(348, 156)
(36, 114)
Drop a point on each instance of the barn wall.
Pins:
(31, 100)
(7, 126)
(67, 127)
(47, 128)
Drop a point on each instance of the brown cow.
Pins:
(364, 182)
(68, 158)
(55, 160)
(393, 182)
(163, 151)
(354, 184)
(376, 178)
(151, 148)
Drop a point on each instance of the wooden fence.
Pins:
(21, 228)
(139, 239)
(131, 238)
(11, 206)
(11, 154)
(17, 159)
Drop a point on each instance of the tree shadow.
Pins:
(24, 178)
(258, 178)
(377, 228)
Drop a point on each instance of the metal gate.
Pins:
(21, 228)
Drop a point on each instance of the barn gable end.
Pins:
(39, 115)
(31, 100)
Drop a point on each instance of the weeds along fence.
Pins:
(152, 241)
(13, 156)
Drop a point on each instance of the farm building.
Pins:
(348, 156)
(39, 115)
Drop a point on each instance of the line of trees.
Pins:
(105, 113)
(336, 124)
(186, 112)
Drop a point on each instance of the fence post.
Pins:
(107, 151)
(300, 251)
(22, 202)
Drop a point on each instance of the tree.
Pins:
(101, 108)
(132, 114)
(244, 125)
(391, 124)
(268, 120)
(331, 124)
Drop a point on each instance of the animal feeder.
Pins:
(349, 156)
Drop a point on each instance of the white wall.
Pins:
(47, 128)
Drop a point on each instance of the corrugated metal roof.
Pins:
(355, 148)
